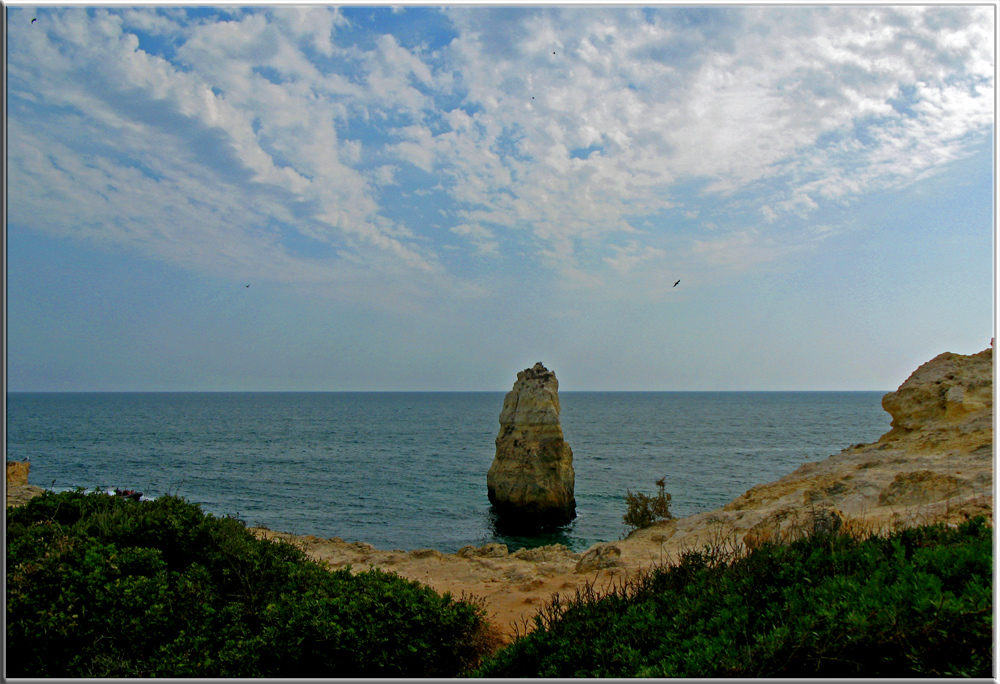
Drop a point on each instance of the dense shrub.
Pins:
(643, 510)
(102, 586)
(915, 604)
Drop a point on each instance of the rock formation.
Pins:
(946, 400)
(17, 473)
(530, 483)
(599, 557)
(934, 465)
(19, 491)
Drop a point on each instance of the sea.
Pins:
(408, 470)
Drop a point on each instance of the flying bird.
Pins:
(34, 19)
(677, 283)
(248, 286)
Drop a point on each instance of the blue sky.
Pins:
(433, 198)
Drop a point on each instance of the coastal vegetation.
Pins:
(643, 510)
(916, 603)
(106, 586)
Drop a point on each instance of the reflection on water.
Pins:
(517, 539)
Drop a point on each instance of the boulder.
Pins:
(550, 553)
(531, 480)
(19, 492)
(600, 557)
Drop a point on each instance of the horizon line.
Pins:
(462, 391)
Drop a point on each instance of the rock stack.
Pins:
(530, 483)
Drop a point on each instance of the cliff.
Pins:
(934, 464)
(945, 403)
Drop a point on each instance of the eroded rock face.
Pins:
(530, 483)
(19, 492)
(951, 393)
(919, 487)
(935, 464)
(485, 551)
(17, 472)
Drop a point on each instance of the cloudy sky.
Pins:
(433, 198)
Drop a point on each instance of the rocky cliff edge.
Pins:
(934, 464)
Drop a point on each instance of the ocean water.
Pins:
(408, 470)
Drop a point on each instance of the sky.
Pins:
(432, 198)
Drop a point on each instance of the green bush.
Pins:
(101, 586)
(644, 510)
(915, 604)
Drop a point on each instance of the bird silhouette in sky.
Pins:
(248, 286)
(34, 19)
(677, 283)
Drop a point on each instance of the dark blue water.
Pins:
(408, 470)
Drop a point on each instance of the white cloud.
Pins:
(755, 111)
(417, 148)
(315, 24)
(386, 174)
(555, 128)
(743, 250)
(294, 147)
(150, 22)
(627, 257)
(801, 203)
(483, 239)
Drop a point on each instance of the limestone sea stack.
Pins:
(530, 483)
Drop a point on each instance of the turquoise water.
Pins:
(408, 470)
